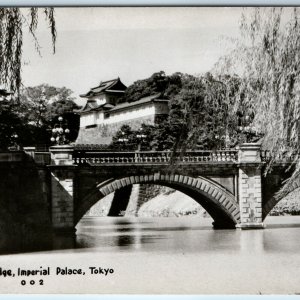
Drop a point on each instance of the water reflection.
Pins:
(157, 234)
(112, 232)
(185, 235)
(170, 235)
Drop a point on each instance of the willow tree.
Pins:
(201, 113)
(13, 22)
(267, 55)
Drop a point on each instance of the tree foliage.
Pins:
(268, 58)
(10, 124)
(127, 138)
(12, 23)
(28, 120)
(157, 83)
(43, 103)
(202, 114)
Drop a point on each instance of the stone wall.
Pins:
(140, 194)
(101, 208)
(149, 191)
(62, 200)
(102, 134)
(25, 209)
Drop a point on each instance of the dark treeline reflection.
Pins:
(185, 234)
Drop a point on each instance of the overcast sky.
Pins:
(98, 44)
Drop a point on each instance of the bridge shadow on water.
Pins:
(159, 235)
(118, 235)
(183, 234)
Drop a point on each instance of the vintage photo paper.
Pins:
(138, 150)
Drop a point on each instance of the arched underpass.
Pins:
(217, 201)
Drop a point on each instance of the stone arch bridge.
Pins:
(228, 184)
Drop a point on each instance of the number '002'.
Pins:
(32, 282)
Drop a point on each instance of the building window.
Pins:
(106, 115)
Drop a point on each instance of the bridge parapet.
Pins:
(249, 153)
(152, 157)
(67, 155)
(12, 156)
(62, 154)
(42, 158)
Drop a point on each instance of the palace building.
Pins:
(105, 111)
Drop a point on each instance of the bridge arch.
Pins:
(216, 200)
(278, 196)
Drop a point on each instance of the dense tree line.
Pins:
(29, 119)
(158, 83)
(203, 113)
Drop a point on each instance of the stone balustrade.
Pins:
(67, 154)
(145, 157)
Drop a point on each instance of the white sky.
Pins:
(98, 44)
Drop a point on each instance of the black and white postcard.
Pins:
(150, 150)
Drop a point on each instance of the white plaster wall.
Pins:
(150, 109)
(99, 117)
(88, 119)
(130, 114)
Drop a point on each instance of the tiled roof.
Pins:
(93, 106)
(106, 86)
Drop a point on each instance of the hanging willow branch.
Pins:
(268, 57)
(12, 22)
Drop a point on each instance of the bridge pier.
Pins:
(250, 187)
(120, 201)
(62, 187)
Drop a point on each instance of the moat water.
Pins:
(168, 255)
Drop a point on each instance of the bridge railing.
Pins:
(98, 157)
(42, 158)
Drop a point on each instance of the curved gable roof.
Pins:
(111, 86)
